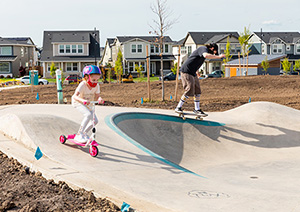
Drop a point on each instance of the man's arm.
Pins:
(211, 56)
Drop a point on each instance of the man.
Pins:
(189, 76)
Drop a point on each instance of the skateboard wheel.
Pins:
(183, 118)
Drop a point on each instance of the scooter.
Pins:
(93, 149)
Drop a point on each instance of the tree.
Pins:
(119, 66)
(297, 65)
(265, 64)
(227, 54)
(174, 68)
(286, 65)
(52, 69)
(139, 70)
(161, 26)
(244, 42)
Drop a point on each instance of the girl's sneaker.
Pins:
(80, 138)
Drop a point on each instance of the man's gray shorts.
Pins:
(190, 84)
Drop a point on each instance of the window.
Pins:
(222, 48)
(297, 48)
(80, 49)
(75, 67)
(166, 48)
(140, 49)
(6, 50)
(69, 66)
(183, 50)
(232, 49)
(277, 48)
(22, 52)
(189, 50)
(152, 48)
(4, 67)
(130, 66)
(49, 66)
(68, 49)
(74, 49)
(143, 66)
(61, 49)
(133, 48)
(156, 49)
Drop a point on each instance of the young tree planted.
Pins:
(265, 64)
(160, 27)
(286, 65)
(119, 66)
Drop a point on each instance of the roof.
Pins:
(91, 37)
(16, 41)
(256, 59)
(7, 58)
(151, 39)
(287, 37)
(204, 37)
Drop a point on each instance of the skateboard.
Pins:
(197, 116)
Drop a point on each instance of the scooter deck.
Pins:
(72, 136)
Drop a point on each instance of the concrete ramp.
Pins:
(245, 159)
(251, 132)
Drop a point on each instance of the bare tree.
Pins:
(159, 28)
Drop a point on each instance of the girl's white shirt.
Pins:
(85, 93)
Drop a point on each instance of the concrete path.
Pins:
(245, 159)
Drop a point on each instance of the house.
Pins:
(107, 53)
(193, 40)
(70, 51)
(134, 53)
(176, 52)
(236, 68)
(276, 43)
(16, 54)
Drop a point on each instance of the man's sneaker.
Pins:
(80, 138)
(200, 112)
(178, 110)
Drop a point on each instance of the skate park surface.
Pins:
(244, 159)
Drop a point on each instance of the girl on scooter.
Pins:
(88, 90)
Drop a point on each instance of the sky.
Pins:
(113, 18)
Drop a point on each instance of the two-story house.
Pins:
(134, 53)
(107, 53)
(193, 40)
(70, 51)
(276, 43)
(16, 53)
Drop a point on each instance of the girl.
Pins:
(87, 91)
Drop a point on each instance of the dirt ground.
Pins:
(217, 95)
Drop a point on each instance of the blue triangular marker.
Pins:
(142, 101)
(38, 153)
(125, 207)
(37, 96)
(249, 99)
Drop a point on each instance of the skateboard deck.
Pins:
(197, 116)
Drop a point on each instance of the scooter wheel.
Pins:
(93, 151)
(62, 139)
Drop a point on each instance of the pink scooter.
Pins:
(91, 142)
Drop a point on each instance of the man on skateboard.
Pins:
(189, 76)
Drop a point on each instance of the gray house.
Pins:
(276, 43)
(70, 51)
(16, 53)
(134, 53)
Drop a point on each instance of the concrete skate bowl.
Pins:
(253, 132)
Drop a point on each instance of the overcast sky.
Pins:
(113, 18)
